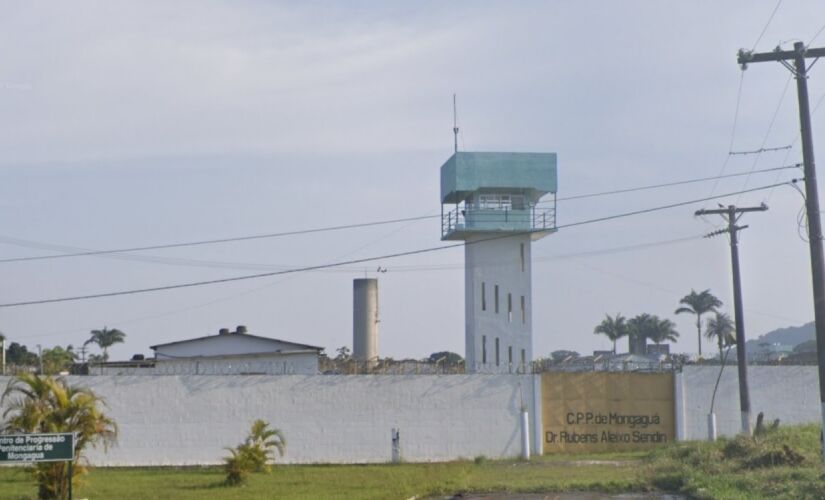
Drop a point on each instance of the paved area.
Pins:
(568, 496)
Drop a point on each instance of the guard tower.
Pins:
(493, 201)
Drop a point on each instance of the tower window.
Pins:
(483, 296)
(494, 201)
(510, 357)
(523, 360)
(523, 311)
(521, 254)
(509, 307)
(495, 297)
(484, 349)
(497, 352)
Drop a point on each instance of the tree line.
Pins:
(719, 328)
(58, 358)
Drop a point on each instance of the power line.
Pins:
(732, 131)
(409, 268)
(675, 183)
(795, 140)
(765, 28)
(87, 252)
(366, 259)
(672, 205)
(761, 150)
(816, 35)
(768, 132)
(123, 253)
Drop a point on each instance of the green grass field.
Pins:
(784, 464)
(339, 481)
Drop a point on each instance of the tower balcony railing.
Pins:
(469, 219)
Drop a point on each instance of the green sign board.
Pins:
(36, 447)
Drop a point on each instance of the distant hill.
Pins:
(792, 336)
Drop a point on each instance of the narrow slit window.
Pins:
(523, 360)
(483, 296)
(495, 297)
(523, 311)
(497, 352)
(509, 307)
(522, 256)
(484, 349)
(510, 355)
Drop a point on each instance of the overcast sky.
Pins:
(127, 124)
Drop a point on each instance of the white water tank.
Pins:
(365, 320)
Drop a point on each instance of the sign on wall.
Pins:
(36, 447)
(602, 411)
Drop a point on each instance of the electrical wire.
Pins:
(670, 184)
(416, 268)
(760, 150)
(768, 132)
(765, 28)
(816, 35)
(89, 252)
(362, 260)
(732, 131)
(125, 253)
(795, 140)
(665, 207)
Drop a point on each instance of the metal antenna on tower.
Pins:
(455, 127)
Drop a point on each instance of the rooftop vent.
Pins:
(223, 331)
(241, 329)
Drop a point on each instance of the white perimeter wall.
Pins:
(184, 420)
(789, 393)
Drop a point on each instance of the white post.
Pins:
(679, 405)
(711, 427)
(747, 428)
(395, 435)
(3, 355)
(525, 434)
(538, 431)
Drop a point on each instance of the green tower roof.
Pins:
(466, 172)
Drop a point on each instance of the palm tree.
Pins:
(649, 326)
(254, 454)
(106, 338)
(699, 304)
(613, 328)
(42, 404)
(638, 329)
(661, 330)
(264, 441)
(721, 329)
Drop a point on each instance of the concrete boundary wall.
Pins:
(188, 420)
(789, 393)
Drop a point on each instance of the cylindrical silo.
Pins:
(365, 320)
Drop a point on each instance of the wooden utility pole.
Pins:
(732, 214)
(800, 71)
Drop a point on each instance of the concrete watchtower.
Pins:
(492, 202)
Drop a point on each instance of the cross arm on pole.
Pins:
(746, 56)
(760, 208)
(727, 210)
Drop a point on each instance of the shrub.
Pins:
(254, 454)
(237, 466)
(739, 447)
(774, 458)
(42, 404)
